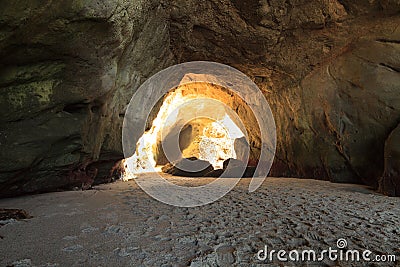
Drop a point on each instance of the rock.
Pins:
(188, 167)
(344, 115)
(234, 168)
(74, 248)
(331, 109)
(126, 252)
(215, 173)
(233, 163)
(237, 168)
(329, 69)
(225, 255)
(17, 214)
(22, 263)
(63, 72)
(114, 229)
(70, 238)
(390, 182)
(241, 148)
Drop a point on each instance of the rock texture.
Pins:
(189, 167)
(16, 214)
(329, 69)
(390, 182)
(68, 69)
(193, 167)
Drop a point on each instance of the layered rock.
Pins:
(68, 70)
(330, 71)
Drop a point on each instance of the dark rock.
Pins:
(16, 214)
(233, 168)
(233, 163)
(237, 168)
(188, 167)
(390, 182)
(225, 255)
(242, 149)
(63, 69)
(215, 173)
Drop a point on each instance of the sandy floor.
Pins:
(119, 225)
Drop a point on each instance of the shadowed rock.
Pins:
(16, 214)
(233, 168)
(390, 182)
(188, 167)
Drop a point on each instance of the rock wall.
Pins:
(390, 182)
(68, 69)
(329, 69)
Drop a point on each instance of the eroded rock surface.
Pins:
(68, 70)
(190, 167)
(390, 182)
(329, 69)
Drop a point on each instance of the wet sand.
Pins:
(120, 225)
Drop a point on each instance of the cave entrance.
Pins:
(195, 120)
(202, 138)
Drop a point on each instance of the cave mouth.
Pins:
(195, 121)
(203, 138)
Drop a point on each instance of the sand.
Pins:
(120, 225)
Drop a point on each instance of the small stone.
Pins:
(164, 218)
(125, 252)
(73, 248)
(225, 255)
(113, 229)
(22, 263)
(89, 229)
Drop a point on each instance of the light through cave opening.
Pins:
(189, 123)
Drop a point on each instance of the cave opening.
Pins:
(199, 121)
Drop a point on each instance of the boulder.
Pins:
(233, 168)
(390, 182)
(188, 167)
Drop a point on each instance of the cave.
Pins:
(103, 103)
(329, 71)
(196, 120)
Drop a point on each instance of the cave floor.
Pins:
(120, 225)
